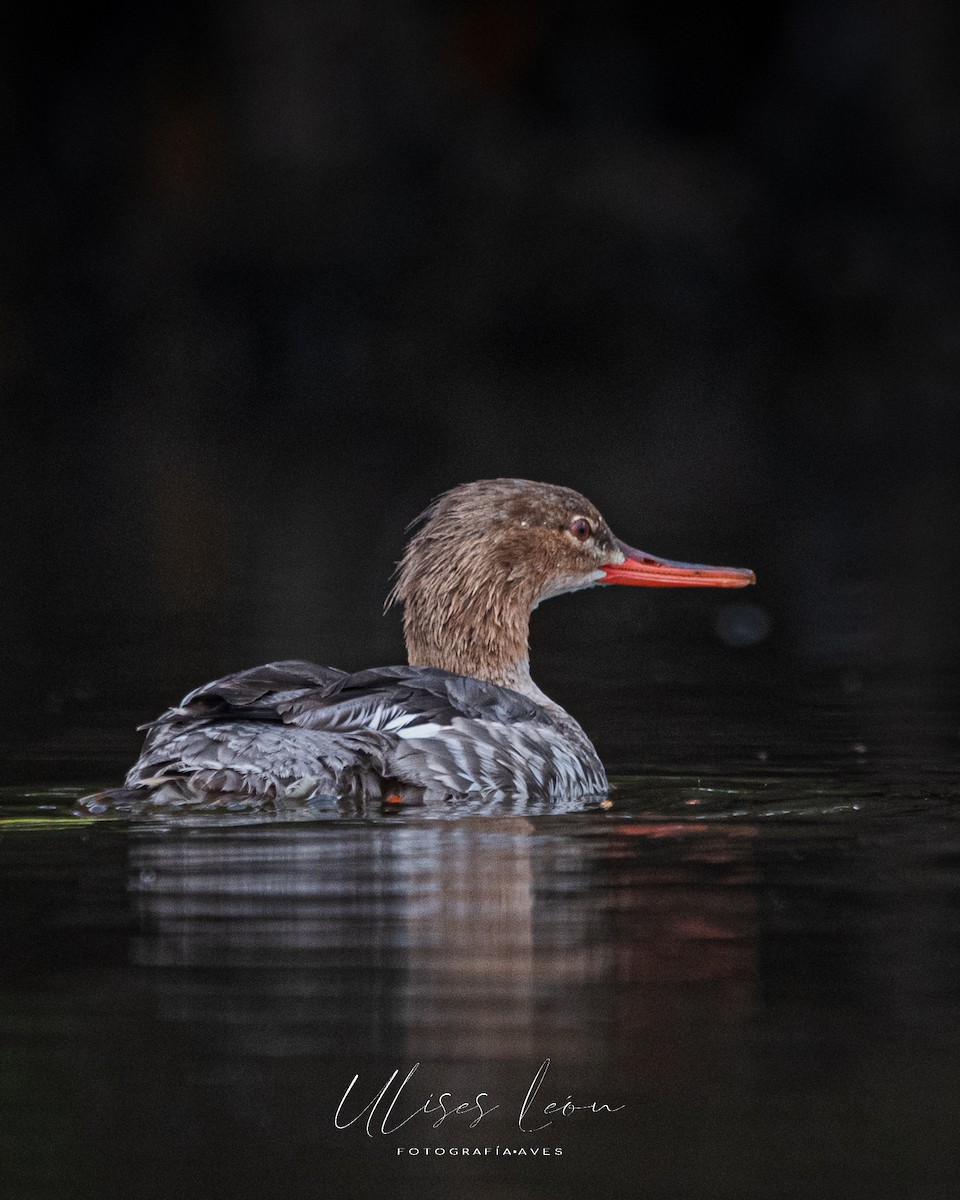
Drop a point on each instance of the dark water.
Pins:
(753, 955)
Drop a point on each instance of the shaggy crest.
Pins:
(486, 554)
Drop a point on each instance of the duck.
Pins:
(462, 719)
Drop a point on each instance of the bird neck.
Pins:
(482, 634)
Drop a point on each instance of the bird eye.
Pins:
(581, 528)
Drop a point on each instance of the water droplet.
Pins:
(742, 625)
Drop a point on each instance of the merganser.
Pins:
(463, 719)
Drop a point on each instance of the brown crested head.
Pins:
(486, 553)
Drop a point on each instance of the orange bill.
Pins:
(646, 570)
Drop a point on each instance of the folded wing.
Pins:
(294, 729)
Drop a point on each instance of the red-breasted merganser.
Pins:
(464, 719)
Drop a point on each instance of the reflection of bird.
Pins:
(463, 719)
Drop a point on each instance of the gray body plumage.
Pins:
(292, 730)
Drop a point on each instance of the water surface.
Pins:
(752, 953)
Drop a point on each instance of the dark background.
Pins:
(275, 274)
(272, 275)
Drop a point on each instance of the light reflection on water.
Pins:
(495, 923)
(758, 959)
